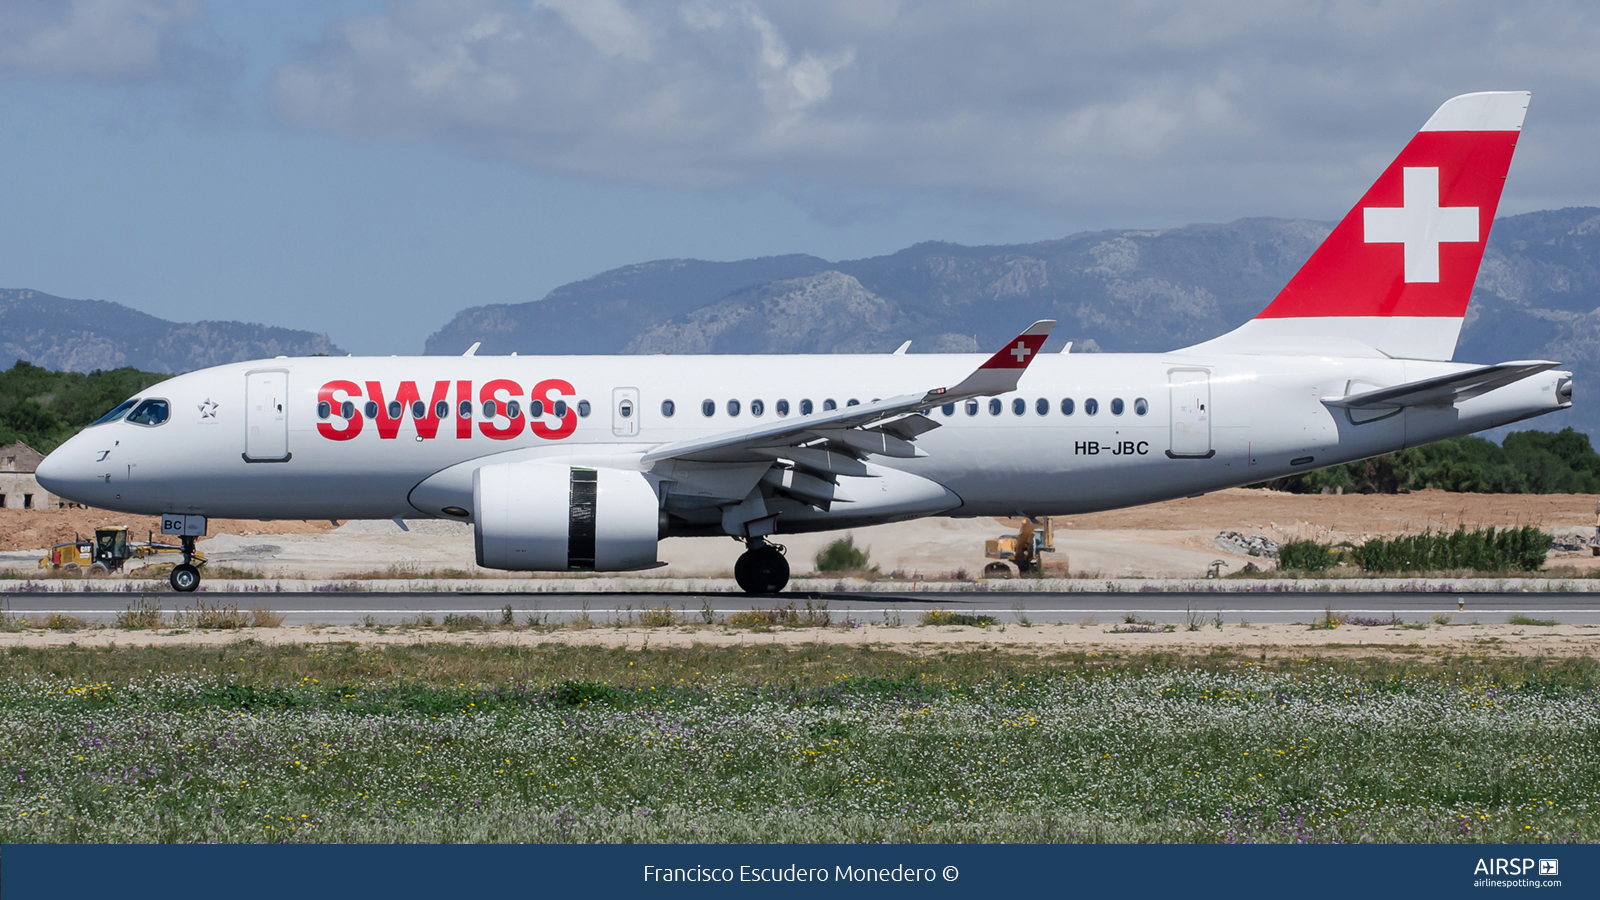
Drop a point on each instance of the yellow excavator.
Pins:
(1021, 549)
(110, 550)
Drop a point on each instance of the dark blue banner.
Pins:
(347, 872)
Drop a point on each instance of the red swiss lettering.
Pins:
(569, 422)
(389, 427)
(464, 422)
(335, 393)
(491, 428)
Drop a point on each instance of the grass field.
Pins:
(458, 743)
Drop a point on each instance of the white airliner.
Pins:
(585, 463)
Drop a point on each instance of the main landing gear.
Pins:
(185, 576)
(761, 569)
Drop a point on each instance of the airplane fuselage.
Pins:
(1082, 432)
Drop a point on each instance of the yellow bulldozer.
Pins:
(1021, 549)
(110, 551)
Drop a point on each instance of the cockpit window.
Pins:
(115, 414)
(150, 412)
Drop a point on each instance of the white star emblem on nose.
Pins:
(208, 410)
(1021, 351)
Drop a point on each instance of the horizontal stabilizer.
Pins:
(1443, 390)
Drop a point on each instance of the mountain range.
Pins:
(1537, 297)
(84, 335)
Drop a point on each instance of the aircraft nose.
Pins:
(63, 474)
(52, 472)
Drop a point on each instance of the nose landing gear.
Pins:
(761, 569)
(185, 576)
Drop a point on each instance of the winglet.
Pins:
(1021, 350)
(473, 350)
(1003, 370)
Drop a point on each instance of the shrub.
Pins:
(1305, 556)
(265, 617)
(939, 616)
(141, 614)
(582, 693)
(1483, 549)
(842, 556)
(1520, 619)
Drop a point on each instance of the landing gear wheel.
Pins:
(761, 570)
(184, 578)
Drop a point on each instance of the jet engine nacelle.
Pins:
(545, 517)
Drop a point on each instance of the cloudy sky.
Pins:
(368, 168)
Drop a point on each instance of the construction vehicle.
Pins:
(1020, 550)
(110, 551)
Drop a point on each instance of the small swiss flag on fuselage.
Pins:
(1412, 246)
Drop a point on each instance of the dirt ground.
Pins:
(36, 529)
(1251, 640)
(1176, 539)
(1353, 517)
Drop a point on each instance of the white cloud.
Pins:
(1159, 107)
(95, 39)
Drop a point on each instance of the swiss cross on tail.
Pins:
(1396, 273)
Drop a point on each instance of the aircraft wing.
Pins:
(882, 427)
(1444, 389)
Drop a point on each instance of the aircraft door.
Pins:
(266, 418)
(625, 412)
(1190, 396)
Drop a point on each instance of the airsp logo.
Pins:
(1502, 866)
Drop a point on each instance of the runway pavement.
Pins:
(346, 608)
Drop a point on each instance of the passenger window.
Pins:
(583, 409)
(972, 407)
(324, 409)
(625, 408)
(491, 409)
(395, 409)
(1116, 406)
(150, 412)
(782, 407)
(757, 407)
(806, 407)
(1041, 406)
(372, 409)
(852, 402)
(733, 407)
(708, 408)
(829, 405)
(668, 408)
(1091, 406)
(995, 406)
(513, 409)
(464, 410)
(1067, 406)
(348, 409)
(536, 409)
(441, 410)
(1141, 406)
(949, 409)
(419, 410)
(561, 409)
(1019, 406)
(118, 412)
